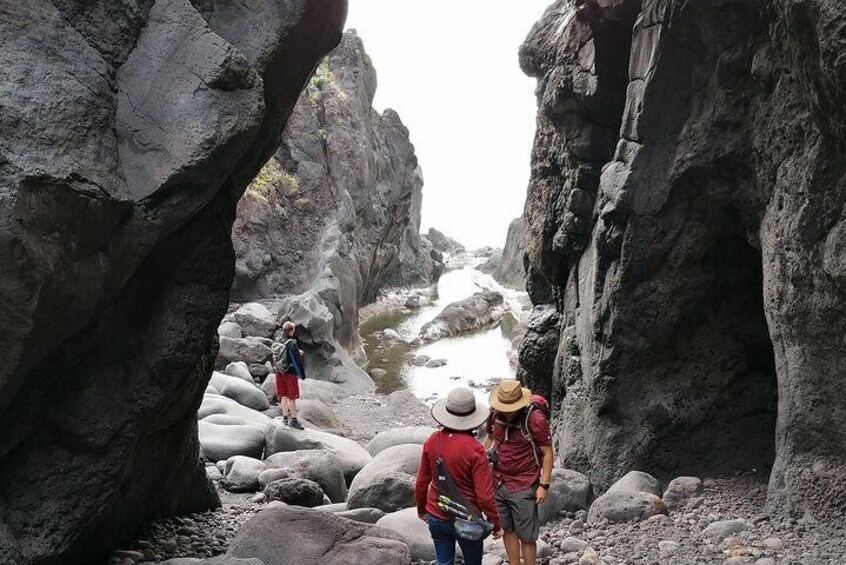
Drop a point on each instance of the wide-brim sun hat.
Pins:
(509, 396)
(459, 410)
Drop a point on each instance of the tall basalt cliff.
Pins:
(128, 131)
(336, 211)
(686, 220)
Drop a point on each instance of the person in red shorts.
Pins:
(289, 367)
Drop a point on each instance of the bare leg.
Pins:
(530, 552)
(283, 403)
(293, 407)
(512, 547)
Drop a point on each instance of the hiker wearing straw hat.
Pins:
(454, 490)
(520, 444)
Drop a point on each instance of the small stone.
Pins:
(765, 561)
(774, 543)
(589, 557)
(258, 498)
(720, 530)
(572, 545)
(183, 540)
(170, 545)
(577, 527)
(668, 546)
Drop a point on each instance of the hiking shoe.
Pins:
(295, 424)
(285, 420)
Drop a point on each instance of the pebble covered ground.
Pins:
(677, 539)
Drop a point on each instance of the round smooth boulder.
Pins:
(229, 329)
(385, 491)
(222, 441)
(637, 481)
(241, 474)
(216, 404)
(241, 370)
(243, 392)
(322, 467)
(366, 515)
(318, 413)
(295, 491)
(399, 436)
(282, 535)
(351, 456)
(397, 459)
(680, 490)
(413, 531)
(274, 474)
(619, 507)
(568, 490)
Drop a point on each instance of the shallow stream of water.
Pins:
(476, 359)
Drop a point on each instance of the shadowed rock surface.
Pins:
(686, 214)
(507, 267)
(128, 132)
(336, 212)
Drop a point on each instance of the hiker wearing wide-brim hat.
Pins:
(454, 490)
(459, 411)
(520, 443)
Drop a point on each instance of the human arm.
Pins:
(546, 473)
(421, 487)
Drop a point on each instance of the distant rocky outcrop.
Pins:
(128, 132)
(472, 313)
(685, 217)
(443, 242)
(335, 214)
(507, 265)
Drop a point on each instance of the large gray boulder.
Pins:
(241, 474)
(295, 491)
(682, 489)
(240, 390)
(321, 539)
(222, 441)
(366, 515)
(218, 404)
(686, 207)
(129, 131)
(220, 560)
(568, 490)
(398, 436)
(351, 456)
(241, 370)
(387, 482)
(637, 481)
(413, 531)
(403, 458)
(255, 320)
(625, 506)
(322, 467)
(473, 313)
(250, 350)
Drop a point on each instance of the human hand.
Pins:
(497, 534)
(540, 495)
(302, 352)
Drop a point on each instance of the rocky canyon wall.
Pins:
(336, 211)
(128, 131)
(685, 220)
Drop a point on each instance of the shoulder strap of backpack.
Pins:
(527, 433)
(445, 485)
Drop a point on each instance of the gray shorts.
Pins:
(518, 512)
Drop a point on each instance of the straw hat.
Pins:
(510, 396)
(459, 410)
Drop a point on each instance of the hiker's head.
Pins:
(288, 328)
(509, 397)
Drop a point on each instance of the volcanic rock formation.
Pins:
(128, 132)
(337, 209)
(686, 214)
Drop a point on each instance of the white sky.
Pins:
(450, 69)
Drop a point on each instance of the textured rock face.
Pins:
(337, 209)
(511, 271)
(128, 131)
(686, 210)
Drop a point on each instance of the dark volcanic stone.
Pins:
(295, 491)
(686, 207)
(128, 131)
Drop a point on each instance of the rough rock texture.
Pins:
(337, 209)
(320, 538)
(128, 131)
(442, 242)
(686, 209)
(472, 313)
(511, 269)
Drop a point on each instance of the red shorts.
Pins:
(287, 386)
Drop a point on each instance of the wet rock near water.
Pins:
(473, 313)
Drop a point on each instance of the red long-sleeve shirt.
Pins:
(467, 464)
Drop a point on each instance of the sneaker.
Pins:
(285, 420)
(295, 424)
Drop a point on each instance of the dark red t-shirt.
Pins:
(517, 466)
(468, 466)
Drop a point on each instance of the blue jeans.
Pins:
(443, 534)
